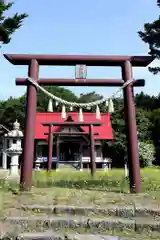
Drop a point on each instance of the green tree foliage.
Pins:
(145, 100)
(144, 124)
(155, 119)
(11, 110)
(146, 154)
(10, 24)
(91, 97)
(61, 92)
(118, 148)
(151, 36)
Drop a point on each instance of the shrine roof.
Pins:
(105, 130)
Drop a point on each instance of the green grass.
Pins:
(80, 188)
(114, 181)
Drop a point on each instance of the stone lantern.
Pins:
(107, 164)
(15, 150)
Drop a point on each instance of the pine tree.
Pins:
(9, 25)
(151, 35)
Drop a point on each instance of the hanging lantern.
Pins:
(50, 106)
(110, 106)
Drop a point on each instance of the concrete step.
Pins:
(93, 225)
(110, 210)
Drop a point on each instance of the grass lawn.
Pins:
(79, 188)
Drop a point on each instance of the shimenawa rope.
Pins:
(80, 105)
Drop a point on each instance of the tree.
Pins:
(146, 154)
(9, 25)
(151, 35)
(89, 97)
(155, 119)
(148, 101)
(11, 110)
(119, 145)
(60, 92)
(144, 124)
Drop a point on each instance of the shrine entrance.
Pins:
(33, 82)
(69, 151)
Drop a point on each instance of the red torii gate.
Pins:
(125, 62)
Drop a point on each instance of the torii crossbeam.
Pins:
(125, 62)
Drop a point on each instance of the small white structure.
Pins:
(4, 155)
(107, 164)
(126, 170)
(37, 164)
(14, 138)
(126, 166)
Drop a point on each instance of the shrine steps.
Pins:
(55, 236)
(110, 210)
(90, 224)
(48, 235)
(53, 222)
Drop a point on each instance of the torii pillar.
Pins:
(131, 130)
(71, 60)
(29, 129)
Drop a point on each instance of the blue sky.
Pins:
(99, 27)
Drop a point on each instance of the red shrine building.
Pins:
(72, 149)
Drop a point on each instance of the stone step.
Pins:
(64, 235)
(57, 236)
(110, 210)
(93, 225)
